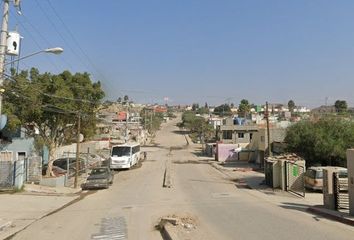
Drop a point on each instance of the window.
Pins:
(241, 135)
(21, 155)
(121, 151)
(251, 136)
(136, 149)
(227, 134)
(262, 138)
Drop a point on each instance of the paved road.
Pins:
(135, 202)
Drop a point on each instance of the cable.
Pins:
(33, 39)
(69, 46)
(73, 38)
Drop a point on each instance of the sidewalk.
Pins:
(246, 176)
(19, 210)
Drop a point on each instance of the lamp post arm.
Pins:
(21, 58)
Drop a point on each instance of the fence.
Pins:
(68, 161)
(6, 174)
(33, 169)
(13, 174)
(340, 191)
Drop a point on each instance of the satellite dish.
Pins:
(81, 137)
(3, 121)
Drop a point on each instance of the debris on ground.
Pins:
(186, 222)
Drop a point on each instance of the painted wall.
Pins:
(225, 152)
(19, 145)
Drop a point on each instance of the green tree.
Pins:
(341, 106)
(291, 105)
(244, 107)
(324, 141)
(223, 110)
(50, 104)
(119, 100)
(125, 99)
(150, 120)
(198, 126)
(195, 106)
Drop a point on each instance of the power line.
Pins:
(34, 39)
(75, 41)
(66, 42)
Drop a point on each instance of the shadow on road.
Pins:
(181, 132)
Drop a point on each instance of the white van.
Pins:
(124, 156)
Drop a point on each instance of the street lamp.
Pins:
(55, 50)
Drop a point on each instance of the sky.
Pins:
(197, 51)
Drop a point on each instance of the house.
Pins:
(259, 142)
(237, 131)
(16, 146)
(215, 122)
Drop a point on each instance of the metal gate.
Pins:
(340, 191)
(294, 178)
(6, 174)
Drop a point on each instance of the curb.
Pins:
(185, 136)
(167, 177)
(334, 217)
(168, 232)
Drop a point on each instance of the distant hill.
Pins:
(324, 109)
(328, 109)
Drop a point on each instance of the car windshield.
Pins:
(343, 174)
(121, 151)
(98, 171)
(319, 174)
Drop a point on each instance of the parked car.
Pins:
(56, 170)
(66, 164)
(314, 177)
(99, 177)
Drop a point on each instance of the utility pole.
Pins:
(145, 118)
(151, 121)
(3, 45)
(268, 131)
(77, 150)
(126, 125)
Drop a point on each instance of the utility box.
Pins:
(13, 44)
